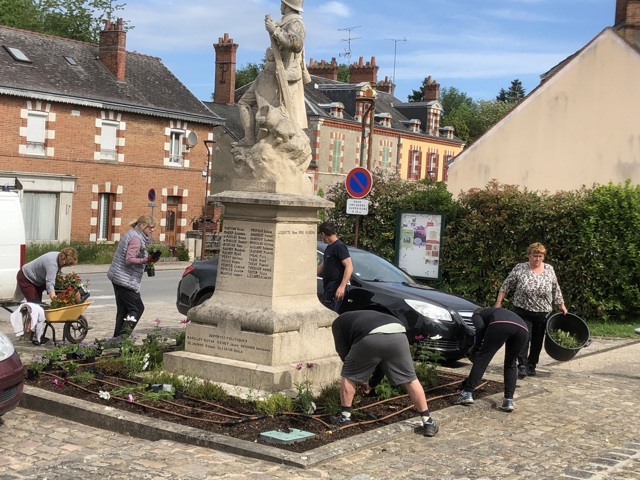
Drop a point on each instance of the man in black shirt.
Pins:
(495, 327)
(336, 268)
(373, 344)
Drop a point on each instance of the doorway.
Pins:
(171, 221)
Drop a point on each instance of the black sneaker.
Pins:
(340, 421)
(522, 371)
(531, 371)
(430, 428)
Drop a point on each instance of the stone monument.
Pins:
(264, 318)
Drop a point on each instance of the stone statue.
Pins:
(272, 110)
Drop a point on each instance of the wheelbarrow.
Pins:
(75, 323)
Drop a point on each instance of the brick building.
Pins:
(89, 130)
(406, 138)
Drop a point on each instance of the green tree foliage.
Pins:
(248, 73)
(76, 19)
(515, 93)
(344, 75)
(389, 195)
(591, 236)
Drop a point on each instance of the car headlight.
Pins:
(6, 347)
(429, 310)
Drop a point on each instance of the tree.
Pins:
(248, 73)
(515, 93)
(418, 95)
(344, 75)
(75, 19)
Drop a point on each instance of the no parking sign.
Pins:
(359, 182)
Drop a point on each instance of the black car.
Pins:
(440, 319)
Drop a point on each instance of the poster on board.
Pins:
(418, 242)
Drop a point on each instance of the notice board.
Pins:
(418, 242)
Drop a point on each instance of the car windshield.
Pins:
(371, 268)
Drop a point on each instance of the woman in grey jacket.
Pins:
(125, 273)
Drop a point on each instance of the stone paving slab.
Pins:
(583, 425)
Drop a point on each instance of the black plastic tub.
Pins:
(572, 324)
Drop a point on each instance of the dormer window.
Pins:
(17, 54)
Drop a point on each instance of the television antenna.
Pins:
(347, 52)
(395, 49)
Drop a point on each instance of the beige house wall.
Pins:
(582, 126)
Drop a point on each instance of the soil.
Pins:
(237, 418)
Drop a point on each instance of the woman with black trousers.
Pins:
(495, 327)
(535, 289)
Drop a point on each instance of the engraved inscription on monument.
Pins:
(247, 252)
(223, 345)
(260, 254)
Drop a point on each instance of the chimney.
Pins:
(112, 49)
(337, 109)
(324, 69)
(431, 90)
(621, 11)
(631, 22)
(448, 131)
(384, 119)
(225, 81)
(386, 86)
(361, 72)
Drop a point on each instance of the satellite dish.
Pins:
(192, 139)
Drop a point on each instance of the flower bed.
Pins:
(128, 376)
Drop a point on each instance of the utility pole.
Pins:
(395, 49)
(347, 53)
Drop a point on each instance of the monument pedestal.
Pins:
(264, 325)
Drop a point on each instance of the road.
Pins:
(158, 294)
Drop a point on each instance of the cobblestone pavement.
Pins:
(583, 426)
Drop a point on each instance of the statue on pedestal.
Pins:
(272, 110)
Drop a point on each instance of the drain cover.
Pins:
(293, 435)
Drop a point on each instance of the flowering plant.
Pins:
(69, 290)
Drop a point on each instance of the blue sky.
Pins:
(476, 46)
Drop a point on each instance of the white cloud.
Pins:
(335, 8)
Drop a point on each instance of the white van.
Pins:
(12, 243)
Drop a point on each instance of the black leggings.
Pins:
(514, 338)
(128, 302)
(537, 324)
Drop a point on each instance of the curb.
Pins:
(139, 426)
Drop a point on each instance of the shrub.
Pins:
(274, 403)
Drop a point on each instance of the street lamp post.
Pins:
(207, 189)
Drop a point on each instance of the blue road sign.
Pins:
(358, 182)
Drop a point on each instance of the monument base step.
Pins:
(320, 372)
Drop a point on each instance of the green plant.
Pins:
(112, 366)
(70, 367)
(127, 390)
(564, 339)
(182, 252)
(91, 349)
(82, 377)
(329, 398)
(384, 390)
(426, 359)
(38, 364)
(156, 396)
(274, 403)
(303, 402)
(205, 390)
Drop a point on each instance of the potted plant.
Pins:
(70, 290)
(36, 366)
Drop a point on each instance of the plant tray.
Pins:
(66, 314)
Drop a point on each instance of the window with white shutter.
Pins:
(36, 123)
